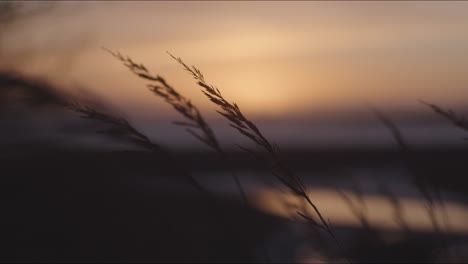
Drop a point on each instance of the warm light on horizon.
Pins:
(272, 58)
(380, 210)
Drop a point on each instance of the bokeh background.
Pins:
(290, 66)
(307, 73)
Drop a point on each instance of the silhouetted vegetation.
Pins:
(148, 204)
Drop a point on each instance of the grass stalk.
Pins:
(247, 128)
(418, 181)
(195, 121)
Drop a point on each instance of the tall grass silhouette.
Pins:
(42, 93)
(119, 126)
(279, 168)
(456, 119)
(429, 193)
(404, 149)
(195, 124)
(182, 105)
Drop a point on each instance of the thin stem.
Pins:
(182, 105)
(238, 121)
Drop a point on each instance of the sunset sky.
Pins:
(275, 59)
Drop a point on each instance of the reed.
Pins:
(279, 168)
(418, 180)
(119, 126)
(195, 121)
(456, 119)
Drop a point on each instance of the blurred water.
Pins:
(362, 186)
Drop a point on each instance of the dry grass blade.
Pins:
(119, 126)
(280, 169)
(34, 92)
(417, 179)
(404, 149)
(247, 128)
(396, 205)
(359, 208)
(458, 120)
(182, 105)
(390, 125)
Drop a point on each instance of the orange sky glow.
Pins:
(272, 58)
